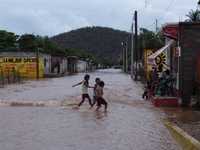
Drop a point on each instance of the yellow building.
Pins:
(24, 64)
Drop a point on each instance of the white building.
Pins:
(81, 66)
(47, 63)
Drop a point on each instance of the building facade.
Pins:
(59, 65)
(183, 57)
(26, 64)
(82, 66)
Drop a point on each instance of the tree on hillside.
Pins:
(50, 47)
(193, 16)
(27, 42)
(102, 42)
(146, 40)
(8, 40)
(149, 40)
(81, 54)
(30, 42)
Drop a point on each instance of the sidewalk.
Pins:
(186, 119)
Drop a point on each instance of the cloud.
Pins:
(46, 17)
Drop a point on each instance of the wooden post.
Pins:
(126, 56)
(136, 45)
(132, 49)
(37, 64)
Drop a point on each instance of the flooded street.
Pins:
(130, 123)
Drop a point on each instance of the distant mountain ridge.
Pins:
(104, 43)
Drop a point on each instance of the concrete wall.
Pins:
(189, 37)
(47, 63)
(24, 63)
(81, 66)
(64, 66)
(72, 64)
(59, 64)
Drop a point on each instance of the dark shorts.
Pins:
(100, 101)
(85, 96)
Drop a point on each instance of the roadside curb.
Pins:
(29, 103)
(186, 141)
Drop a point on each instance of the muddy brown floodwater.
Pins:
(129, 124)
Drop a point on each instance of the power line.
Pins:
(146, 3)
(166, 10)
(170, 5)
(153, 24)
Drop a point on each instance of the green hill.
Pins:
(104, 43)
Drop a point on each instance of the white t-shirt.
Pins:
(84, 87)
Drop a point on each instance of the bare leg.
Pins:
(94, 100)
(89, 99)
(83, 99)
(103, 101)
(98, 103)
(106, 105)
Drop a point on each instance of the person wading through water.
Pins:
(85, 86)
(99, 96)
(97, 81)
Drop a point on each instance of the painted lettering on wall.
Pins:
(25, 66)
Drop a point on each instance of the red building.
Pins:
(183, 57)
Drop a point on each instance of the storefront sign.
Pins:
(25, 66)
(17, 60)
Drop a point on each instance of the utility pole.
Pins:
(146, 3)
(132, 51)
(136, 44)
(156, 25)
(198, 8)
(126, 56)
(123, 56)
(198, 5)
(37, 64)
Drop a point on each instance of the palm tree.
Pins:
(194, 16)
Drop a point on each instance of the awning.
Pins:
(158, 52)
(171, 30)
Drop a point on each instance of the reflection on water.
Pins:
(100, 114)
(184, 115)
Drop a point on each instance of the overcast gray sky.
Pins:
(50, 17)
